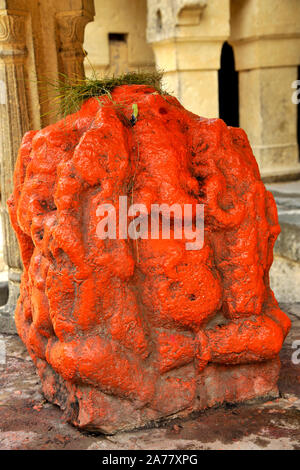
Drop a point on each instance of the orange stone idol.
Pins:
(125, 332)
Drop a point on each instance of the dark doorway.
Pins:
(228, 88)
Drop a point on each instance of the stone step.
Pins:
(285, 271)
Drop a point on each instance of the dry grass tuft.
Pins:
(71, 93)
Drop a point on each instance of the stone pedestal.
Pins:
(92, 410)
(266, 42)
(187, 39)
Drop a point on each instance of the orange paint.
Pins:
(140, 320)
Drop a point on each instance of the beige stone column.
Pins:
(37, 41)
(187, 38)
(266, 42)
(70, 29)
(14, 118)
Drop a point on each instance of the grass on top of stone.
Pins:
(70, 93)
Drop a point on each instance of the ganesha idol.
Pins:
(126, 332)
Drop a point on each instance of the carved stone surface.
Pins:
(70, 29)
(12, 28)
(164, 18)
(126, 332)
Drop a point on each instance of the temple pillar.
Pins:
(267, 54)
(37, 42)
(14, 117)
(70, 28)
(187, 38)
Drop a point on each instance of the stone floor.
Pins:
(28, 422)
(287, 196)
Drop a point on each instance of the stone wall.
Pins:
(187, 39)
(116, 39)
(266, 40)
